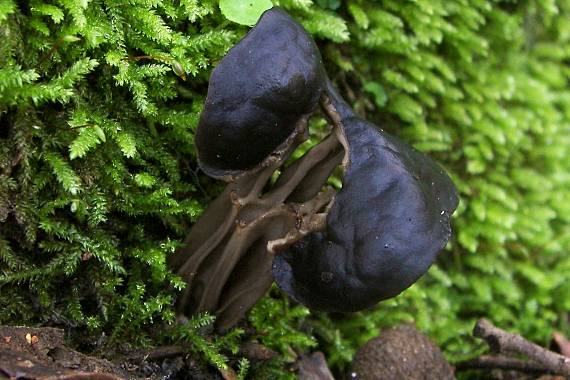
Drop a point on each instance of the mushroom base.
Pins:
(227, 257)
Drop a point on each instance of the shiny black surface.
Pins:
(257, 93)
(387, 224)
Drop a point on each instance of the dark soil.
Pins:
(41, 353)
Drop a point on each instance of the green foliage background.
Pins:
(98, 181)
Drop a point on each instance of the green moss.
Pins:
(98, 180)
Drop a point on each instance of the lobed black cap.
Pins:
(257, 94)
(384, 230)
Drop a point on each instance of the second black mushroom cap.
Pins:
(383, 231)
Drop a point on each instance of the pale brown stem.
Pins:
(227, 257)
(310, 186)
(250, 281)
(237, 246)
(293, 175)
(308, 220)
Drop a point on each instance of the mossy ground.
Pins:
(98, 178)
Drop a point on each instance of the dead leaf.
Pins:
(35, 339)
(7, 339)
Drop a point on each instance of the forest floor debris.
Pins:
(41, 353)
(401, 352)
(508, 347)
(398, 352)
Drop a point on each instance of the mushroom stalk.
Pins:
(227, 256)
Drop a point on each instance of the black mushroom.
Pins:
(384, 227)
(330, 250)
(257, 94)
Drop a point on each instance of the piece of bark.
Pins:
(44, 350)
(36, 341)
(505, 342)
(46, 345)
(21, 365)
(314, 367)
(157, 353)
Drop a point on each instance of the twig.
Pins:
(562, 343)
(256, 351)
(502, 362)
(314, 367)
(505, 342)
(165, 352)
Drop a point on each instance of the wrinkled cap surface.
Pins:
(384, 230)
(257, 93)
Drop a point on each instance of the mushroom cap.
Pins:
(257, 93)
(384, 229)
